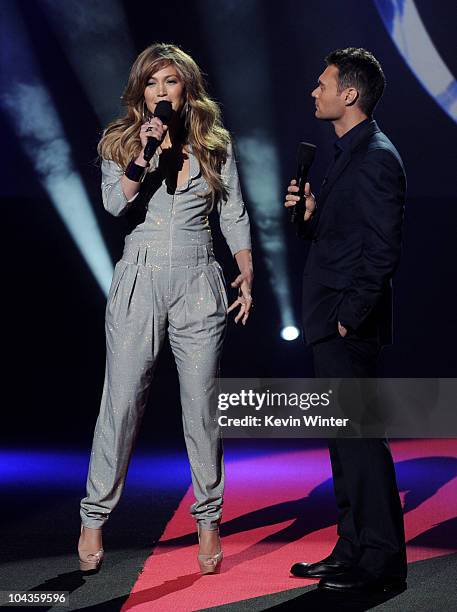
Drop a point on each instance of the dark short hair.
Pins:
(360, 69)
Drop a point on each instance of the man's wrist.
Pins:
(311, 213)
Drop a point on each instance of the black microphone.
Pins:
(305, 157)
(163, 111)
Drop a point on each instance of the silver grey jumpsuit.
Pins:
(167, 279)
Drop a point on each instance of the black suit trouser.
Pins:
(370, 517)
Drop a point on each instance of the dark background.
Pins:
(54, 309)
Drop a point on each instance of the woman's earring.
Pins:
(146, 113)
(185, 110)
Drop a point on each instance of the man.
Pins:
(355, 234)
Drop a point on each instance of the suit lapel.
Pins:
(336, 170)
(344, 160)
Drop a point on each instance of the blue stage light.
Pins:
(412, 40)
(259, 158)
(31, 110)
(95, 38)
(57, 468)
(290, 333)
(241, 68)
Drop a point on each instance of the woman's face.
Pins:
(165, 84)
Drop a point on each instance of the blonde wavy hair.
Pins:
(120, 141)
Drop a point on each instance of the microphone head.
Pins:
(163, 111)
(305, 154)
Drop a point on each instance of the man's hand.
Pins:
(343, 331)
(291, 199)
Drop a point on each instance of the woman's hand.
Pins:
(152, 128)
(244, 283)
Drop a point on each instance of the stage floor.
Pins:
(278, 509)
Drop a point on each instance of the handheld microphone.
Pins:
(305, 157)
(163, 111)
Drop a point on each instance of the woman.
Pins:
(167, 279)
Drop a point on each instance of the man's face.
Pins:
(330, 105)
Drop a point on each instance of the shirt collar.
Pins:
(194, 166)
(344, 143)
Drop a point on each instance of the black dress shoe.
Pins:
(321, 569)
(358, 580)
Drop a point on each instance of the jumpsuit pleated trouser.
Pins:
(166, 281)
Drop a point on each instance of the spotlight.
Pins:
(254, 119)
(30, 108)
(86, 34)
(290, 333)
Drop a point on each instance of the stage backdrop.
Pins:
(64, 66)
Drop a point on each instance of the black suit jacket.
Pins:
(355, 237)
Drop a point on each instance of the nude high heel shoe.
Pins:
(209, 564)
(90, 561)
